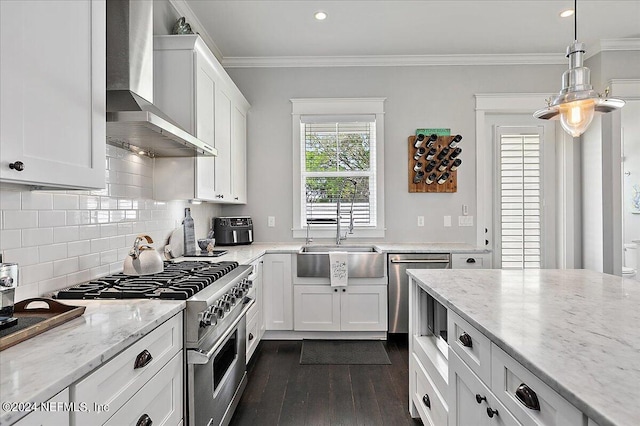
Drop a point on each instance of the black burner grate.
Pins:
(178, 281)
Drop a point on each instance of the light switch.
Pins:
(271, 221)
(465, 220)
(465, 209)
(447, 221)
(420, 220)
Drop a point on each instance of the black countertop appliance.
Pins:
(233, 231)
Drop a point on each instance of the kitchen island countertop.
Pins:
(37, 369)
(577, 330)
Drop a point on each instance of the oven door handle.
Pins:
(200, 357)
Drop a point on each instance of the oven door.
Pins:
(216, 377)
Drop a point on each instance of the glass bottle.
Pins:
(443, 153)
(443, 165)
(430, 166)
(455, 141)
(419, 140)
(432, 139)
(456, 163)
(455, 153)
(418, 176)
(443, 178)
(419, 153)
(429, 180)
(430, 154)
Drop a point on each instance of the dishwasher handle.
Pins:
(420, 261)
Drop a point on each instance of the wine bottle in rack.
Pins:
(430, 166)
(419, 140)
(443, 178)
(417, 167)
(419, 153)
(418, 176)
(455, 141)
(455, 153)
(443, 153)
(431, 154)
(429, 180)
(432, 139)
(456, 163)
(443, 165)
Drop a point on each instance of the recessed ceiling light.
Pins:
(320, 16)
(566, 13)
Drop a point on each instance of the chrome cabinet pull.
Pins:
(527, 397)
(142, 359)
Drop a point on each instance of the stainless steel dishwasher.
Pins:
(399, 283)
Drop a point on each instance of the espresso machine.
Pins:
(8, 284)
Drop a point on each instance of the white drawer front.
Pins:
(432, 360)
(253, 336)
(118, 380)
(476, 351)
(508, 375)
(49, 417)
(431, 405)
(470, 261)
(160, 399)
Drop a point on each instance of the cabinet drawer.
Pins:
(508, 375)
(253, 336)
(433, 360)
(430, 404)
(470, 261)
(54, 415)
(118, 380)
(472, 346)
(160, 399)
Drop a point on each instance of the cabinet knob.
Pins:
(527, 397)
(480, 398)
(466, 341)
(491, 412)
(142, 359)
(144, 420)
(236, 198)
(17, 166)
(471, 260)
(344, 290)
(335, 289)
(250, 336)
(426, 401)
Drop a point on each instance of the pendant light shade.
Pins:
(577, 102)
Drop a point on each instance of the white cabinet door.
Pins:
(239, 155)
(363, 308)
(470, 401)
(52, 80)
(316, 308)
(223, 144)
(52, 412)
(205, 126)
(277, 301)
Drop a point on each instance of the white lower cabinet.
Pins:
(146, 378)
(277, 285)
(54, 412)
(431, 405)
(470, 260)
(470, 401)
(255, 323)
(350, 308)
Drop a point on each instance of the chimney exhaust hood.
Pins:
(132, 120)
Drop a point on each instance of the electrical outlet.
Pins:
(420, 220)
(465, 210)
(465, 220)
(271, 221)
(447, 221)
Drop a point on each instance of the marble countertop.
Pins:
(577, 330)
(37, 369)
(245, 254)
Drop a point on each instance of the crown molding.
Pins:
(183, 9)
(615, 44)
(392, 60)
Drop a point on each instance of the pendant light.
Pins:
(577, 102)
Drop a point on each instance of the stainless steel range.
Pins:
(218, 296)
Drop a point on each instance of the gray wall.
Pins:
(438, 96)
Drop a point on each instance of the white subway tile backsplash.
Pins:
(116, 216)
(10, 200)
(35, 200)
(52, 218)
(107, 203)
(18, 219)
(89, 202)
(79, 277)
(37, 236)
(125, 228)
(107, 257)
(78, 248)
(89, 232)
(115, 268)
(78, 217)
(52, 285)
(66, 202)
(109, 230)
(65, 266)
(88, 261)
(10, 238)
(33, 273)
(22, 256)
(99, 244)
(52, 252)
(99, 271)
(66, 234)
(28, 291)
(125, 204)
(119, 241)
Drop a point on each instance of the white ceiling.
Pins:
(357, 28)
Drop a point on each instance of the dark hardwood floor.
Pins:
(280, 391)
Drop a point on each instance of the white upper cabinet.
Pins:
(192, 88)
(52, 85)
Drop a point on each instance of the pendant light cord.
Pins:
(575, 19)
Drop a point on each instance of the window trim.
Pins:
(337, 106)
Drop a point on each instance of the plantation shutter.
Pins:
(520, 208)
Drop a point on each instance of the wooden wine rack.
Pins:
(451, 185)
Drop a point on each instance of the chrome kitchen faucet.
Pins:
(339, 216)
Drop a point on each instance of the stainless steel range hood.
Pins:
(132, 119)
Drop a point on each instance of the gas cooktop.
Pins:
(178, 281)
